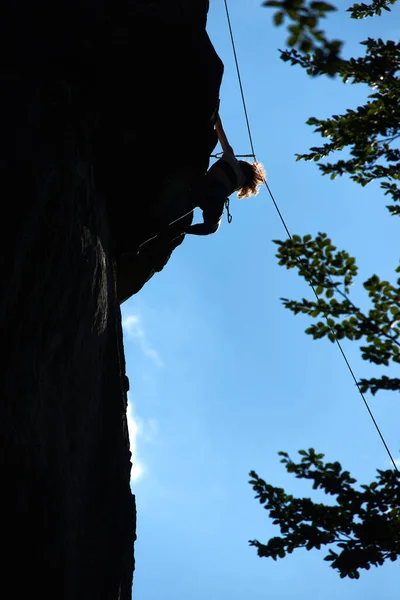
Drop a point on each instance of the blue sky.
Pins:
(223, 377)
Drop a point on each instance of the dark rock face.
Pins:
(103, 104)
(67, 513)
(158, 94)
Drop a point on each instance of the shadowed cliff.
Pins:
(100, 115)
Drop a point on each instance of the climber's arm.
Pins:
(223, 140)
(206, 228)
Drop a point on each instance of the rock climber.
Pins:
(225, 176)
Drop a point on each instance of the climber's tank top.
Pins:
(227, 171)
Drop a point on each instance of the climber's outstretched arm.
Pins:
(204, 228)
(223, 140)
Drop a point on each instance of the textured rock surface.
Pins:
(98, 112)
(67, 514)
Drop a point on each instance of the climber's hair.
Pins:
(254, 176)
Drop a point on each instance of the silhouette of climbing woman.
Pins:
(226, 176)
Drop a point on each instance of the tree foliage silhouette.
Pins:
(364, 524)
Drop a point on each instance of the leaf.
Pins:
(278, 18)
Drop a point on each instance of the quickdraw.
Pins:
(228, 214)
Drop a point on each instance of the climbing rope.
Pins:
(289, 235)
(219, 154)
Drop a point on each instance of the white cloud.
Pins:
(145, 431)
(133, 328)
(135, 430)
(151, 430)
(397, 461)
